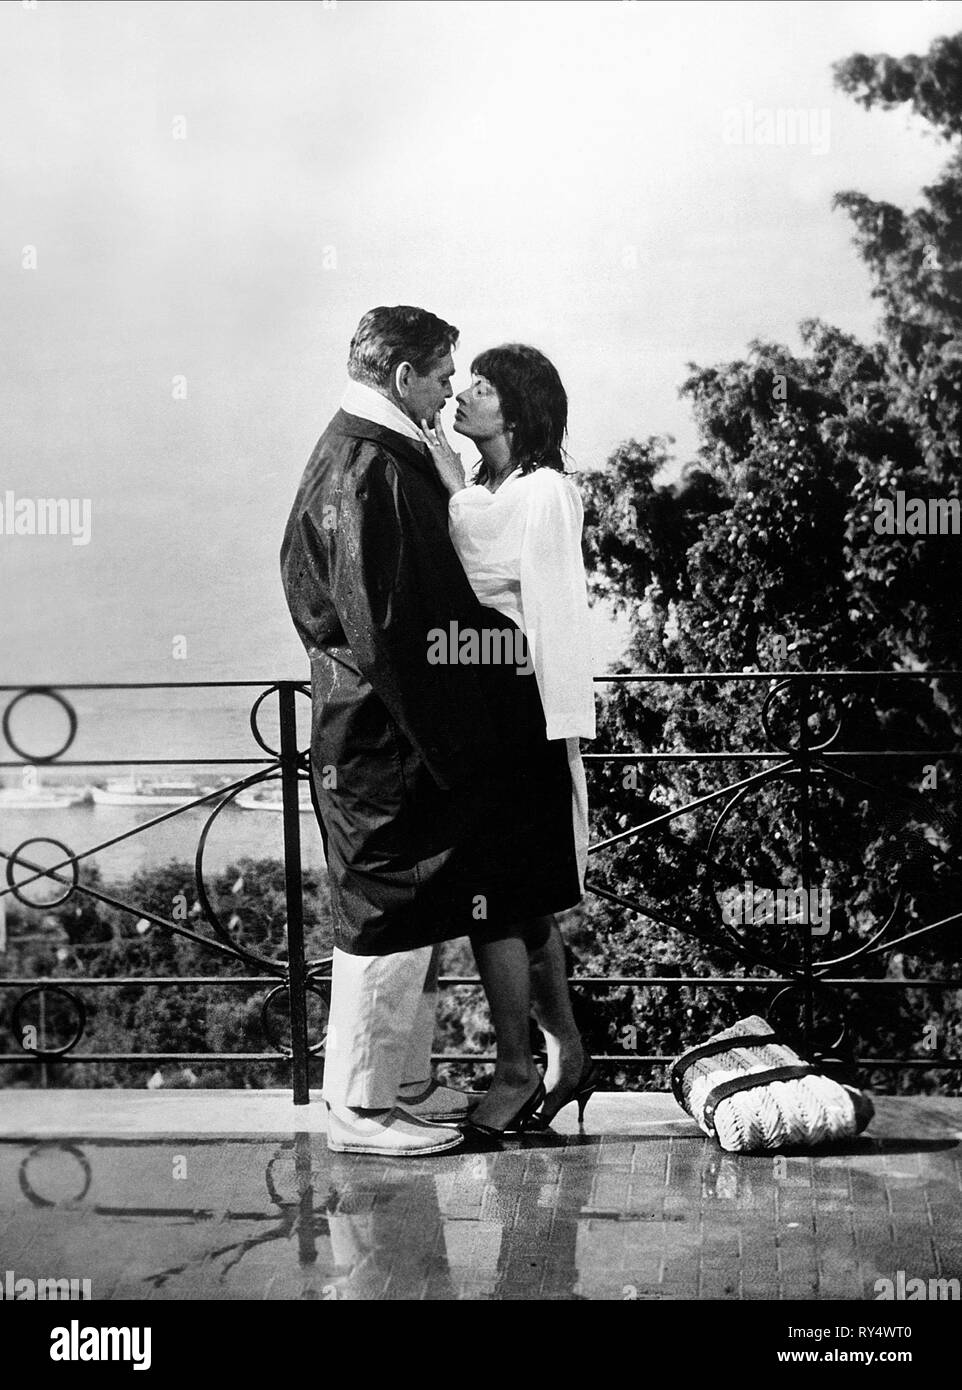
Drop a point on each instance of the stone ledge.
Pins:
(65, 1112)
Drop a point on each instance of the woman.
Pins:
(517, 531)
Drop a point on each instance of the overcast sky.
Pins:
(563, 173)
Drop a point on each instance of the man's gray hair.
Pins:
(386, 337)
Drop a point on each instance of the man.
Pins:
(369, 572)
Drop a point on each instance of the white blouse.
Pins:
(521, 550)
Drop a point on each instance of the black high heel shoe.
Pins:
(584, 1088)
(488, 1137)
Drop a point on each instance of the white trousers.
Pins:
(381, 1027)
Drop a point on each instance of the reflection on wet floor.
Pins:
(593, 1217)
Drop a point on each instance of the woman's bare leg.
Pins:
(504, 968)
(551, 1005)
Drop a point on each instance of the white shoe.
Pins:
(391, 1135)
(435, 1102)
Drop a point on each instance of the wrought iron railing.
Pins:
(802, 758)
(296, 977)
(797, 756)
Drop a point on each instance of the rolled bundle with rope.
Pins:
(749, 1090)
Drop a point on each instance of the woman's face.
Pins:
(479, 414)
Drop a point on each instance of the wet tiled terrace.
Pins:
(233, 1195)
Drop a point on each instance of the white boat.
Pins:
(272, 800)
(31, 796)
(132, 791)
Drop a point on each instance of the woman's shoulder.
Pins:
(551, 485)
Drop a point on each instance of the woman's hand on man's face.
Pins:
(446, 461)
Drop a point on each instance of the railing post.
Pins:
(805, 706)
(297, 969)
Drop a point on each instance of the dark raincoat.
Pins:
(443, 808)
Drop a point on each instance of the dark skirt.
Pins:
(412, 864)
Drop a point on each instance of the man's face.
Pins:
(423, 396)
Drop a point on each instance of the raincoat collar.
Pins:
(355, 427)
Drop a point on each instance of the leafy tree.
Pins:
(766, 556)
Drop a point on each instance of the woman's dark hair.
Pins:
(533, 403)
